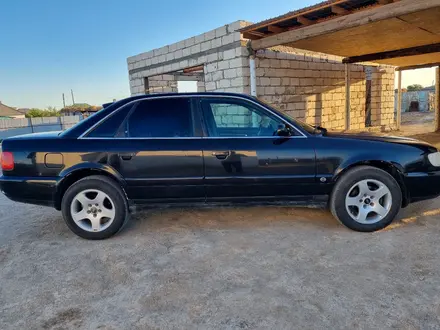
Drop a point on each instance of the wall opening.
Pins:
(188, 80)
(187, 86)
(418, 101)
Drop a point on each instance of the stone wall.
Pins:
(311, 87)
(163, 83)
(222, 52)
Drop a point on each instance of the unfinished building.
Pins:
(315, 87)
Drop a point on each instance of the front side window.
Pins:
(235, 118)
(161, 118)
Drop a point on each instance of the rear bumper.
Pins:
(40, 191)
(422, 186)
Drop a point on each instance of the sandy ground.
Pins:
(242, 268)
(245, 268)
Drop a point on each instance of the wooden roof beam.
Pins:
(254, 35)
(275, 29)
(304, 21)
(355, 19)
(339, 10)
(419, 50)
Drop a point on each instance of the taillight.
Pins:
(7, 160)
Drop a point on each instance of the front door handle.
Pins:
(126, 156)
(221, 154)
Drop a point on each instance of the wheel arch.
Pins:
(71, 175)
(394, 169)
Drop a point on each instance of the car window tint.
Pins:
(230, 118)
(110, 126)
(161, 118)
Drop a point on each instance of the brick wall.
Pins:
(311, 87)
(382, 97)
(220, 51)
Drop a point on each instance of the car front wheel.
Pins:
(366, 199)
(94, 207)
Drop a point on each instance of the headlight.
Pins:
(434, 159)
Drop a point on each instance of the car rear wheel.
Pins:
(366, 199)
(94, 207)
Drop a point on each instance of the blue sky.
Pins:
(51, 46)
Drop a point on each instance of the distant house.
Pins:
(8, 112)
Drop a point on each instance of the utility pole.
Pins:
(73, 99)
(64, 101)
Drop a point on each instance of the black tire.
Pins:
(109, 187)
(348, 180)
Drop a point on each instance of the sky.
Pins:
(49, 47)
(424, 77)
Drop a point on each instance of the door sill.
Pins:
(320, 201)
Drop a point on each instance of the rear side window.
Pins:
(110, 126)
(161, 118)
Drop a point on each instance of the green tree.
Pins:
(415, 87)
(49, 112)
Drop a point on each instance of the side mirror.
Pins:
(282, 130)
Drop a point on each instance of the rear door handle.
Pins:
(221, 154)
(126, 156)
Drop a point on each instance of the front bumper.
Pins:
(421, 186)
(39, 191)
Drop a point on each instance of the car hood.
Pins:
(381, 138)
(42, 135)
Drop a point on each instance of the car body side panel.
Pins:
(159, 169)
(334, 155)
(174, 169)
(259, 167)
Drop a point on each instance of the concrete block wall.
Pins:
(382, 97)
(13, 127)
(163, 83)
(222, 52)
(311, 87)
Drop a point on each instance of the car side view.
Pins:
(212, 148)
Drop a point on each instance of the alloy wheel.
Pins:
(368, 201)
(92, 210)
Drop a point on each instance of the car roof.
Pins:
(195, 94)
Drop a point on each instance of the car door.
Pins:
(157, 151)
(245, 161)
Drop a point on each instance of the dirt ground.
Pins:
(243, 268)
(413, 123)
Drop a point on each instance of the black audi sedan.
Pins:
(212, 148)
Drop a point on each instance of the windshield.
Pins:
(308, 128)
